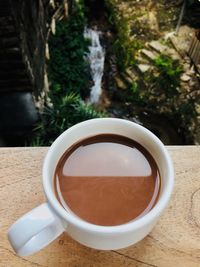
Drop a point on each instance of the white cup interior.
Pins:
(112, 126)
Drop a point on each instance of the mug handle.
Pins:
(35, 230)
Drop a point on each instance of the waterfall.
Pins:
(96, 58)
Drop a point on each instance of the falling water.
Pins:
(96, 58)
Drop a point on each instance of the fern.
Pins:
(65, 112)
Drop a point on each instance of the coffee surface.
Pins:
(107, 180)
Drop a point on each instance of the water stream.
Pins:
(96, 57)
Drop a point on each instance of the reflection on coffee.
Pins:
(107, 180)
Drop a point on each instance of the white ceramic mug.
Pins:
(42, 225)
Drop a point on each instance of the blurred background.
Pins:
(65, 61)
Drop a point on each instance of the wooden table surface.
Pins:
(175, 240)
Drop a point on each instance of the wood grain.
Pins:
(175, 241)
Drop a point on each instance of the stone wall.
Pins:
(23, 35)
(23, 31)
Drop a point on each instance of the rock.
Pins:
(192, 83)
(153, 22)
(169, 35)
(172, 53)
(187, 68)
(143, 67)
(187, 60)
(17, 113)
(119, 83)
(142, 59)
(157, 46)
(127, 78)
(185, 78)
(130, 73)
(190, 72)
(149, 54)
(182, 41)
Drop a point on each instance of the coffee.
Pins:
(107, 180)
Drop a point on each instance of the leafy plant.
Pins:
(134, 87)
(124, 47)
(68, 49)
(168, 77)
(164, 95)
(65, 112)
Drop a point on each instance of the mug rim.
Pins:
(135, 224)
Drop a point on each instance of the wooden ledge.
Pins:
(175, 240)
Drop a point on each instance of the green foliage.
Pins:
(161, 85)
(124, 47)
(158, 90)
(69, 77)
(125, 50)
(64, 112)
(134, 87)
(168, 76)
(164, 96)
(68, 48)
(134, 92)
(136, 95)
